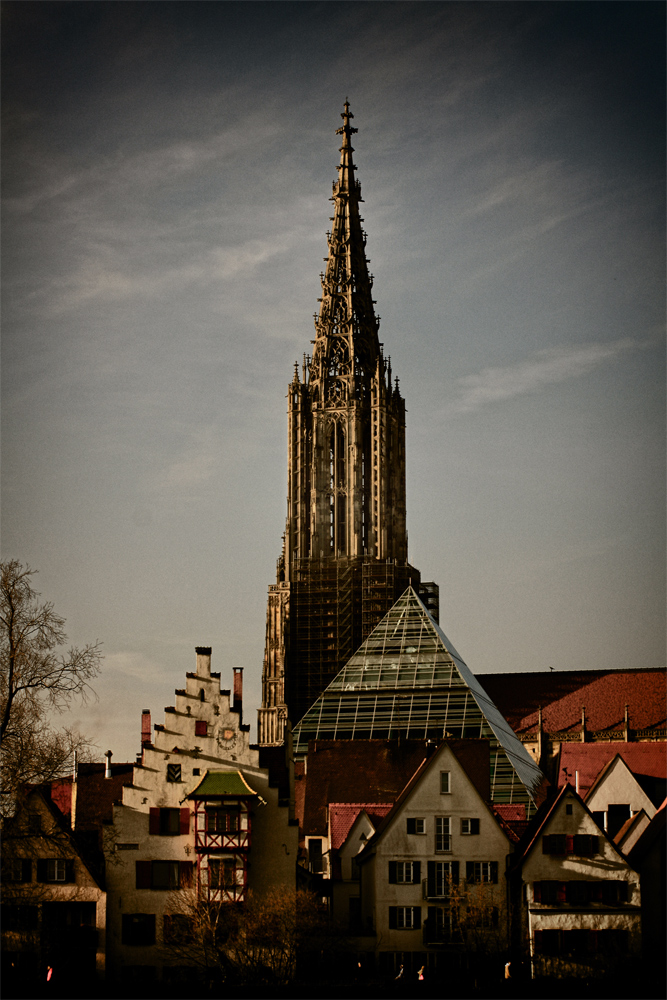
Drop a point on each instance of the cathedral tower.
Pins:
(345, 548)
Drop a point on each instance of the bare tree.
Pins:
(259, 942)
(36, 677)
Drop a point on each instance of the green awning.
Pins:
(218, 784)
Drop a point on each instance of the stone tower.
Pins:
(345, 550)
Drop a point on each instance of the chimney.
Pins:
(107, 766)
(74, 792)
(238, 692)
(203, 661)
(576, 782)
(146, 727)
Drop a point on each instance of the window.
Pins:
(583, 844)
(469, 827)
(403, 872)
(17, 870)
(34, 823)
(138, 928)
(416, 826)
(222, 820)
(440, 925)
(568, 809)
(224, 873)
(482, 871)
(163, 874)
(577, 893)
(196, 772)
(443, 838)
(19, 918)
(549, 891)
(580, 942)
(440, 876)
(55, 870)
(173, 772)
(201, 728)
(445, 783)
(405, 917)
(168, 822)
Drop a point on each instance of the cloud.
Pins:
(546, 367)
(132, 664)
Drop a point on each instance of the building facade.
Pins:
(344, 559)
(201, 815)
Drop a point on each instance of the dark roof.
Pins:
(355, 771)
(562, 693)
(654, 833)
(95, 793)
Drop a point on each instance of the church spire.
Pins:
(346, 325)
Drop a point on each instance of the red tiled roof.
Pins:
(562, 693)
(343, 814)
(643, 759)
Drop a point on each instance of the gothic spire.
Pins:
(346, 322)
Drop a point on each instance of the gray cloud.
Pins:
(544, 368)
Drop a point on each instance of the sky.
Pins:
(166, 172)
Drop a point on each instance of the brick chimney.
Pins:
(146, 728)
(238, 692)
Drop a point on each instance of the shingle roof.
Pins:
(343, 814)
(217, 784)
(645, 760)
(562, 693)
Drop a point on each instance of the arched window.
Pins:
(202, 695)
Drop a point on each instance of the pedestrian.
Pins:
(507, 970)
(400, 973)
(420, 974)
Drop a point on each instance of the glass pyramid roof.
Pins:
(407, 679)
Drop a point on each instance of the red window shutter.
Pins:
(569, 845)
(143, 874)
(392, 872)
(417, 917)
(185, 821)
(153, 820)
(392, 917)
(561, 892)
(538, 943)
(537, 892)
(201, 728)
(70, 875)
(185, 874)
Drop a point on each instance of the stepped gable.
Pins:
(562, 693)
(407, 681)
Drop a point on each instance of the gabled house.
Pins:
(576, 900)
(351, 825)
(616, 780)
(53, 903)
(432, 876)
